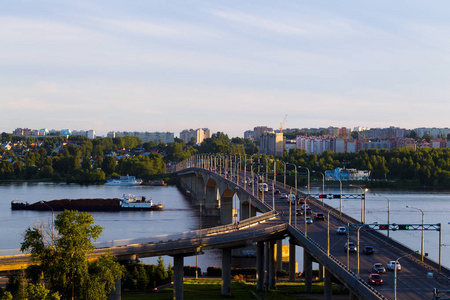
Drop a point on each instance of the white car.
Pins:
(284, 196)
(391, 264)
(305, 206)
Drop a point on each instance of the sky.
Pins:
(224, 65)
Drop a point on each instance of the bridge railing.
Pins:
(336, 267)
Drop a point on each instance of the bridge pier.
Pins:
(259, 266)
(279, 255)
(226, 210)
(307, 270)
(226, 272)
(352, 296)
(272, 267)
(117, 293)
(328, 286)
(321, 272)
(178, 264)
(292, 260)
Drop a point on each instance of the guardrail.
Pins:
(337, 268)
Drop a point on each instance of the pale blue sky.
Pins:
(226, 65)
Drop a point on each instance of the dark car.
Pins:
(375, 279)
(277, 192)
(368, 250)
(308, 211)
(299, 212)
(350, 247)
(378, 268)
(319, 216)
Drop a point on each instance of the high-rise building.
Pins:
(199, 135)
(271, 143)
(259, 130)
(157, 137)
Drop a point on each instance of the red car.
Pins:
(375, 279)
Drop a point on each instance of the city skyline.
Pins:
(154, 66)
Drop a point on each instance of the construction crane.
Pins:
(282, 124)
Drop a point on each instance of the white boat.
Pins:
(124, 180)
(129, 202)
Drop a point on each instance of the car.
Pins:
(308, 211)
(391, 264)
(319, 216)
(375, 279)
(309, 220)
(368, 250)
(341, 230)
(350, 247)
(284, 196)
(378, 268)
(305, 206)
(292, 198)
(277, 192)
(299, 212)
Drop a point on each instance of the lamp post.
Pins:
(395, 273)
(308, 176)
(388, 212)
(423, 215)
(323, 185)
(340, 197)
(363, 202)
(53, 221)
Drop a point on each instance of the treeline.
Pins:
(421, 167)
(82, 160)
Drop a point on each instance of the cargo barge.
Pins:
(128, 202)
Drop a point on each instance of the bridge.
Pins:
(213, 187)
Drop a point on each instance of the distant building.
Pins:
(271, 143)
(259, 130)
(157, 137)
(199, 135)
(249, 134)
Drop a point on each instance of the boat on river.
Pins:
(127, 202)
(124, 181)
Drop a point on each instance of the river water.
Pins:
(179, 215)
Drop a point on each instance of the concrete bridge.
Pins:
(215, 194)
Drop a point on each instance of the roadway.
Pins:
(412, 281)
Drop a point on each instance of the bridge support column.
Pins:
(291, 260)
(352, 296)
(321, 272)
(272, 267)
(279, 255)
(259, 266)
(226, 272)
(328, 286)
(226, 210)
(117, 293)
(178, 264)
(307, 270)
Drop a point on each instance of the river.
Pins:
(179, 215)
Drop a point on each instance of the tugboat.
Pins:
(129, 202)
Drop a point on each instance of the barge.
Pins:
(126, 203)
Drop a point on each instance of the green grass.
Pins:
(211, 289)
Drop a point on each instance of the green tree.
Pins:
(109, 165)
(63, 262)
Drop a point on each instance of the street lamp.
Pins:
(395, 273)
(389, 208)
(323, 186)
(421, 246)
(340, 197)
(308, 176)
(53, 221)
(363, 202)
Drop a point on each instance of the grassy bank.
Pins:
(240, 289)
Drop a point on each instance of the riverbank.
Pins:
(197, 289)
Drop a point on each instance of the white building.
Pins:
(199, 135)
(157, 137)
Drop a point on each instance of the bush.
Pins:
(190, 270)
(214, 271)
